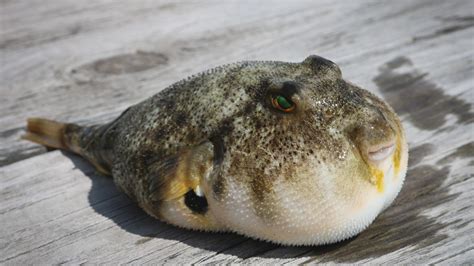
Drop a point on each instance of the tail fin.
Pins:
(71, 137)
(47, 132)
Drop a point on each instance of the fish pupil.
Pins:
(283, 102)
(195, 203)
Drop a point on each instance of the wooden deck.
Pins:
(86, 61)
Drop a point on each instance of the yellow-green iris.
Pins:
(282, 103)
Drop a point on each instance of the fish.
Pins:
(286, 152)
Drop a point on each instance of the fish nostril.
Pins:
(380, 152)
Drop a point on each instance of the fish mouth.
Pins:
(380, 152)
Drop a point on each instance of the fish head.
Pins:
(312, 159)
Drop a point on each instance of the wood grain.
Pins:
(86, 61)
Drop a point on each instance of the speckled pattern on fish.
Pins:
(286, 152)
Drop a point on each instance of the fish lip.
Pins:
(380, 152)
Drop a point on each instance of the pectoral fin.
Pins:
(172, 177)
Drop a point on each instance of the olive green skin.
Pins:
(254, 147)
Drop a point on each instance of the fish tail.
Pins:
(85, 141)
(51, 134)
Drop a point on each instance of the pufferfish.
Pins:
(285, 152)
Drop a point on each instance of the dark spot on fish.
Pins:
(159, 134)
(218, 186)
(271, 88)
(149, 156)
(262, 193)
(129, 63)
(423, 101)
(290, 88)
(224, 129)
(249, 107)
(464, 151)
(418, 153)
(260, 186)
(191, 137)
(226, 94)
(180, 119)
(195, 203)
(168, 103)
(219, 148)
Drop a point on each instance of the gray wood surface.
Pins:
(86, 61)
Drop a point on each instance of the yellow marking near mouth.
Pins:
(378, 175)
(397, 156)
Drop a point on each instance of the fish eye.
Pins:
(283, 104)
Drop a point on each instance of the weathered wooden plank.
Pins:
(87, 61)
